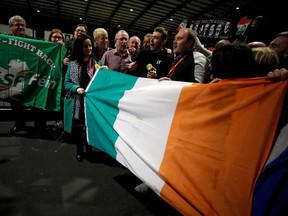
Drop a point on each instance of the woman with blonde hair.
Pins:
(100, 43)
(266, 59)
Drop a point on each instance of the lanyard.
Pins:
(175, 65)
(90, 66)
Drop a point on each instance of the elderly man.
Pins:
(119, 58)
(134, 44)
(18, 28)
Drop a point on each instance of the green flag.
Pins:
(31, 71)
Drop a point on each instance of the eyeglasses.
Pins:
(122, 39)
(80, 30)
(57, 37)
(18, 25)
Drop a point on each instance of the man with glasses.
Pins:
(119, 58)
(79, 29)
(18, 28)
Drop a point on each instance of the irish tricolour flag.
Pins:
(200, 147)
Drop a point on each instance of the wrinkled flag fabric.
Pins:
(31, 72)
(200, 147)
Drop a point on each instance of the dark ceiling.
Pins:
(135, 16)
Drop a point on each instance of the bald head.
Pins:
(221, 43)
(255, 44)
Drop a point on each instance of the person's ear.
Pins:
(191, 43)
(286, 53)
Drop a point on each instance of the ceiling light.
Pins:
(171, 19)
(80, 18)
(38, 11)
(237, 8)
(131, 9)
(119, 25)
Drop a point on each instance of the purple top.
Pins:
(115, 61)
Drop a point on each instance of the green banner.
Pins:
(31, 72)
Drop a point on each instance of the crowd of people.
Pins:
(187, 61)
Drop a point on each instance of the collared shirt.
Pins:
(200, 66)
(115, 61)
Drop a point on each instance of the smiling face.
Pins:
(56, 37)
(18, 28)
(134, 42)
(87, 48)
(102, 42)
(79, 30)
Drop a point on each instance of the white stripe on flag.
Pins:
(146, 134)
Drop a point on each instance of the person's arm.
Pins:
(104, 59)
(200, 68)
(200, 48)
(68, 84)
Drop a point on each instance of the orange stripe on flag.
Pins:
(219, 140)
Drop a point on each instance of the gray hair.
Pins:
(121, 31)
(15, 18)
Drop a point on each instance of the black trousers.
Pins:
(20, 116)
(79, 136)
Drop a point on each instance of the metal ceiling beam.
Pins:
(58, 7)
(29, 6)
(113, 13)
(86, 10)
(209, 9)
(172, 13)
(149, 6)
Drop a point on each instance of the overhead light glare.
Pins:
(131, 9)
(38, 11)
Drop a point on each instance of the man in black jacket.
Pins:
(183, 68)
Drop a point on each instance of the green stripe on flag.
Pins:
(102, 100)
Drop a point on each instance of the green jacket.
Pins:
(69, 100)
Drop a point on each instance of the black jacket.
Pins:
(185, 69)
